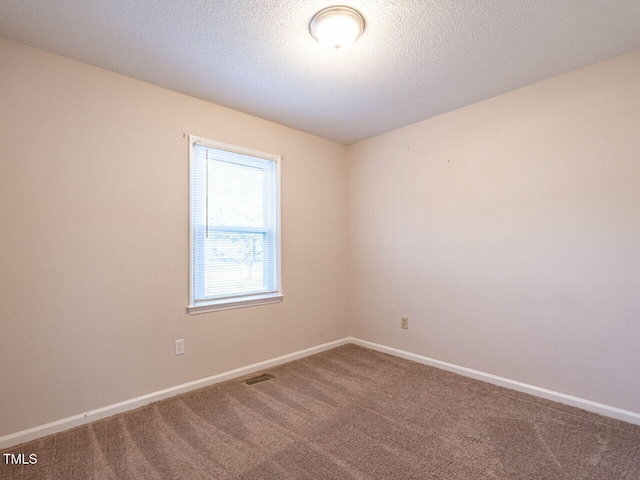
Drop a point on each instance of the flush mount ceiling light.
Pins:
(336, 27)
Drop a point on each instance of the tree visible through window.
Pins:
(234, 225)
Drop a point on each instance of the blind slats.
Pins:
(234, 224)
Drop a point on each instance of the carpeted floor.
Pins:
(346, 413)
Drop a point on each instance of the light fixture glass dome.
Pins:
(337, 27)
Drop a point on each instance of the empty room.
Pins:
(308, 240)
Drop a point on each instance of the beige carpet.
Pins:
(346, 413)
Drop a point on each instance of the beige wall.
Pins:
(509, 233)
(94, 247)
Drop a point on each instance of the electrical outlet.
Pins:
(404, 322)
(180, 346)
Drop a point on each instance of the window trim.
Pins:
(247, 300)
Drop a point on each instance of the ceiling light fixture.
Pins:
(336, 27)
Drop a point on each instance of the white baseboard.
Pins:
(93, 415)
(606, 410)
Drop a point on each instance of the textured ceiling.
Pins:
(416, 59)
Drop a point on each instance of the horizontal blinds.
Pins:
(234, 221)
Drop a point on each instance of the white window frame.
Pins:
(240, 301)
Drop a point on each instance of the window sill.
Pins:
(237, 303)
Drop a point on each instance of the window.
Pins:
(234, 226)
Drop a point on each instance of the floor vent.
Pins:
(259, 379)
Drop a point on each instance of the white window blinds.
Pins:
(234, 224)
